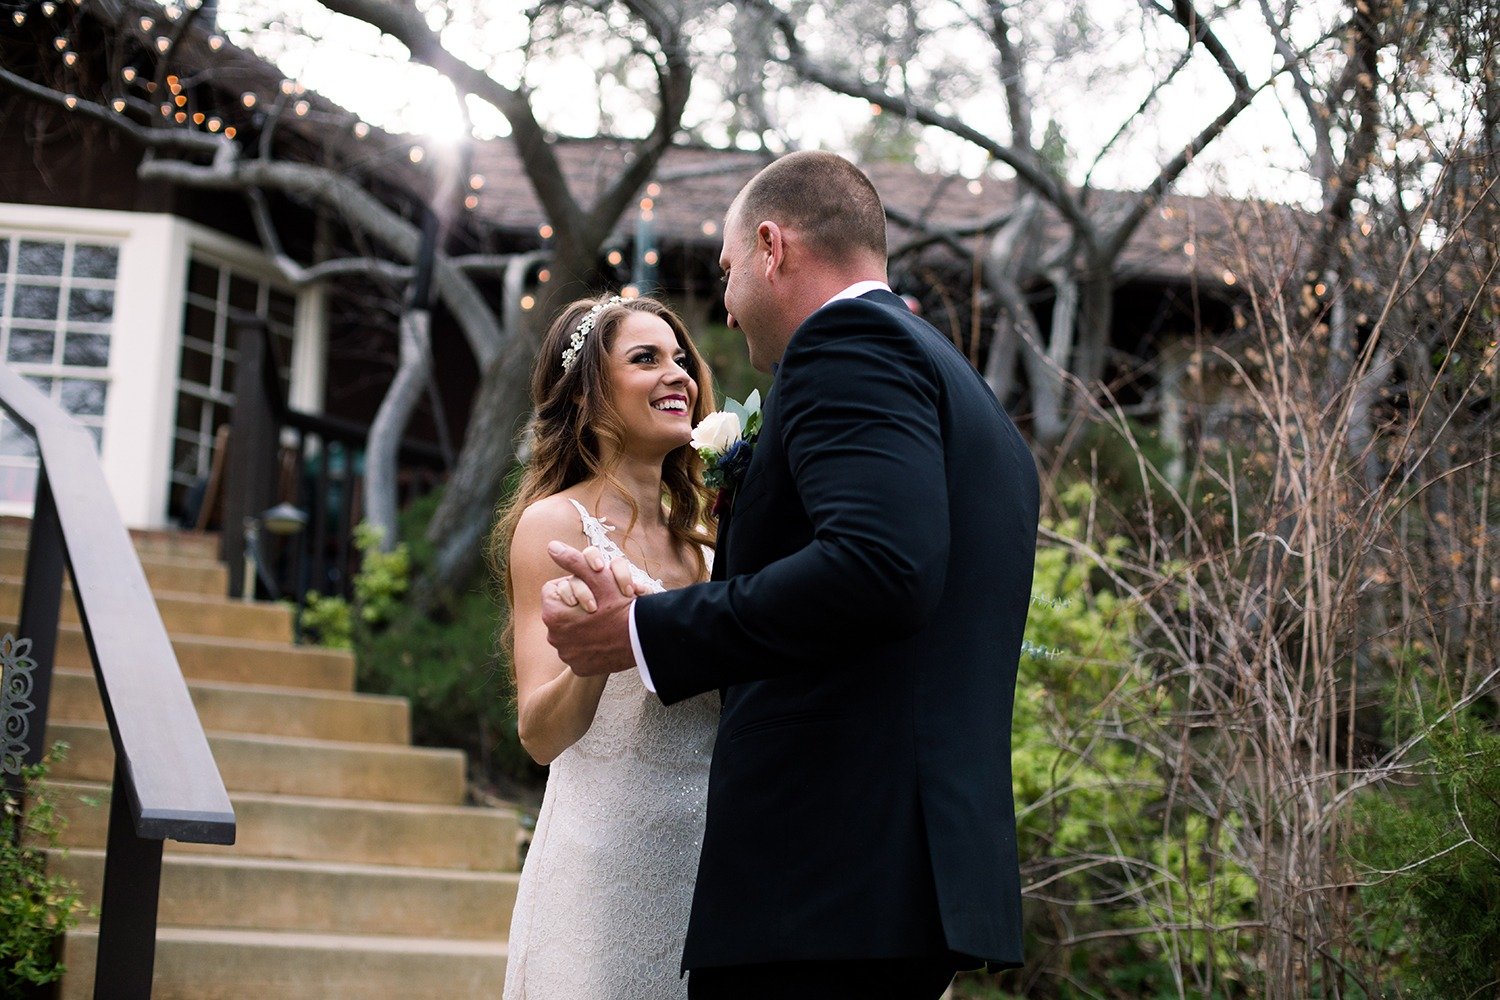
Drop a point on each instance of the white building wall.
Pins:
(146, 340)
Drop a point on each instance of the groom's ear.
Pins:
(772, 242)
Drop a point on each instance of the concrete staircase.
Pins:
(358, 871)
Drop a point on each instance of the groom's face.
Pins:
(747, 295)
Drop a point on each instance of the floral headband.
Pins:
(575, 343)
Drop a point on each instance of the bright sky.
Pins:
(1089, 94)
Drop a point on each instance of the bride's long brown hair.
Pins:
(575, 427)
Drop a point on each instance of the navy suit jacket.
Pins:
(864, 622)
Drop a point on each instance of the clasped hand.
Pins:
(586, 611)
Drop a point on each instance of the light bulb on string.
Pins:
(128, 74)
(147, 24)
(59, 43)
(361, 130)
(301, 108)
(199, 118)
(215, 42)
(180, 117)
(19, 17)
(71, 102)
(230, 131)
(471, 202)
(416, 154)
(163, 43)
(118, 104)
(476, 181)
(247, 99)
(544, 231)
(214, 124)
(287, 87)
(48, 9)
(69, 58)
(653, 190)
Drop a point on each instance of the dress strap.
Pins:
(597, 531)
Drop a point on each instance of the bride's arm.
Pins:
(554, 706)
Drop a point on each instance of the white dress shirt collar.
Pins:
(857, 289)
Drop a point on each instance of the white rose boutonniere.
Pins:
(725, 440)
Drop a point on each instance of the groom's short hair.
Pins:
(822, 196)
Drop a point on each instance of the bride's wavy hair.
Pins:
(575, 429)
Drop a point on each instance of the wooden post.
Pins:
(251, 477)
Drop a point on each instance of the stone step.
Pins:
(231, 661)
(264, 711)
(316, 897)
(196, 964)
(185, 614)
(319, 768)
(148, 541)
(295, 828)
(163, 573)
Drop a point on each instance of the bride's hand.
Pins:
(575, 593)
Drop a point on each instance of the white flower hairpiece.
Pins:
(575, 342)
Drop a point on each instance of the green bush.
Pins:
(36, 908)
(1112, 858)
(1429, 860)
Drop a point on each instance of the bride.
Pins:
(603, 902)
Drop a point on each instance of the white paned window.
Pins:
(57, 305)
(217, 295)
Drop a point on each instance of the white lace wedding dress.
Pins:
(602, 908)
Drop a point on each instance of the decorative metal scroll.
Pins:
(15, 702)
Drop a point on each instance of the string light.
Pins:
(230, 131)
(71, 102)
(215, 42)
(128, 74)
(653, 189)
(166, 111)
(476, 181)
(247, 99)
(301, 108)
(48, 9)
(59, 43)
(471, 202)
(630, 292)
(118, 104)
(180, 100)
(1189, 249)
(173, 12)
(199, 117)
(287, 87)
(544, 276)
(647, 204)
(180, 117)
(163, 43)
(147, 24)
(545, 231)
(1229, 277)
(416, 154)
(976, 188)
(361, 130)
(651, 257)
(710, 227)
(646, 215)
(69, 58)
(19, 17)
(1320, 289)
(214, 124)
(527, 302)
(614, 258)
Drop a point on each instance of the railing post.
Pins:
(250, 473)
(41, 603)
(127, 914)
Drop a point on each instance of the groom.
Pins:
(864, 621)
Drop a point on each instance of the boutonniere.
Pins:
(725, 439)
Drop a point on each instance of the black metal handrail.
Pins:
(264, 431)
(166, 784)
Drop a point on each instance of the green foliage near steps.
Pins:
(36, 908)
(1428, 858)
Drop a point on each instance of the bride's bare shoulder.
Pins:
(547, 519)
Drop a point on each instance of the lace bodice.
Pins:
(601, 912)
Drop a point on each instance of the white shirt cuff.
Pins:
(640, 657)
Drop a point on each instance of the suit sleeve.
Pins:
(858, 416)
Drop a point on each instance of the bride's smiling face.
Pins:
(651, 386)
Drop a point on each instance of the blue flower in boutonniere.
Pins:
(725, 440)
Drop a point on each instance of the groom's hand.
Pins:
(590, 643)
